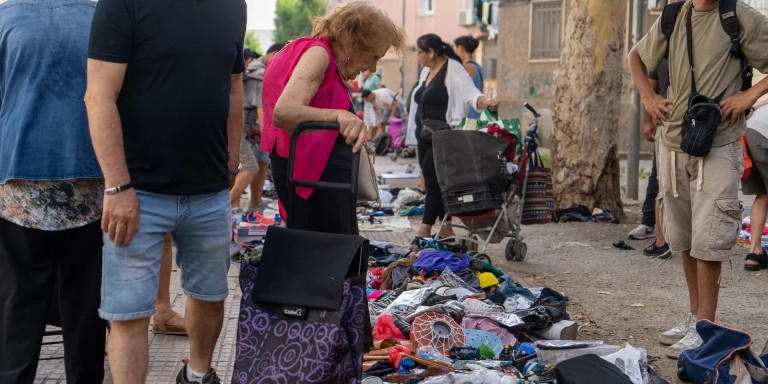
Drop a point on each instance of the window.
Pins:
(426, 7)
(759, 5)
(546, 29)
(490, 59)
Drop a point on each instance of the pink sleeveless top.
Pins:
(312, 150)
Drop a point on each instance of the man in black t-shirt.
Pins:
(164, 102)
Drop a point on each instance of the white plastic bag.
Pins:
(632, 361)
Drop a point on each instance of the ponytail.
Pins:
(441, 48)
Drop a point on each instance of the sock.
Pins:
(194, 377)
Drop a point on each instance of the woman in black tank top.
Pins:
(433, 102)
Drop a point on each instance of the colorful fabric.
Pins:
(51, 205)
(434, 260)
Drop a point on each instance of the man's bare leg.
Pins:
(690, 267)
(757, 217)
(204, 321)
(164, 310)
(257, 186)
(241, 182)
(660, 240)
(708, 288)
(128, 351)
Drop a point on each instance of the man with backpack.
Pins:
(709, 45)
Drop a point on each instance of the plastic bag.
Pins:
(484, 376)
(632, 361)
(431, 353)
(408, 301)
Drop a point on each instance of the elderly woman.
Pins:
(443, 97)
(306, 82)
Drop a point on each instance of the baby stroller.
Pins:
(482, 190)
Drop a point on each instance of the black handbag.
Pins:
(703, 114)
(430, 126)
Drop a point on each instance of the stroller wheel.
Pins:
(515, 250)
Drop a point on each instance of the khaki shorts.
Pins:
(701, 215)
(247, 159)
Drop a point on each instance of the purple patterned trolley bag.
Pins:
(303, 314)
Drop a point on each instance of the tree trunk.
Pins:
(585, 166)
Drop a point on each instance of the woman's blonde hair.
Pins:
(358, 26)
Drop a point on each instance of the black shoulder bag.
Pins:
(703, 115)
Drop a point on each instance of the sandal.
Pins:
(161, 326)
(762, 261)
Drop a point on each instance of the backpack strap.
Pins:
(668, 19)
(730, 23)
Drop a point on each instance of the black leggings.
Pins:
(433, 202)
(330, 211)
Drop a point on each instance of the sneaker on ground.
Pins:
(641, 232)
(692, 340)
(661, 252)
(679, 331)
(209, 378)
(261, 207)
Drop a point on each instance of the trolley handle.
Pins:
(319, 126)
(530, 108)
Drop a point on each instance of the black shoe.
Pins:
(660, 252)
(209, 378)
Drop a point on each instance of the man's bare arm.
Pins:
(733, 105)
(105, 80)
(120, 217)
(655, 105)
(649, 127)
(235, 121)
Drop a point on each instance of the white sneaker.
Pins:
(691, 341)
(642, 232)
(675, 334)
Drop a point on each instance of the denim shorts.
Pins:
(201, 228)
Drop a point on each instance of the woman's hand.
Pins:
(491, 104)
(352, 129)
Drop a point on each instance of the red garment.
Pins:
(312, 150)
(385, 329)
(497, 131)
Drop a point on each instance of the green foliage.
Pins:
(293, 18)
(252, 43)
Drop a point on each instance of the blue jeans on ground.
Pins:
(201, 228)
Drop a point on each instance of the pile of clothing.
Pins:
(440, 315)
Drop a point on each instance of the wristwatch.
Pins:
(236, 171)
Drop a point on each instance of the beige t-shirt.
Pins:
(716, 69)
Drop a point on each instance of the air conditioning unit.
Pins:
(466, 17)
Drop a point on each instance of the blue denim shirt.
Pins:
(43, 124)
